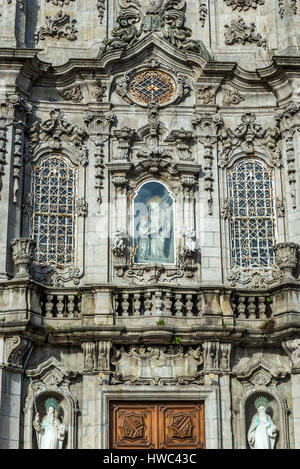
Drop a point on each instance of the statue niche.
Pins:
(50, 431)
(262, 431)
(154, 225)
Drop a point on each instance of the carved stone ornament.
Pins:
(245, 136)
(239, 33)
(286, 6)
(61, 26)
(203, 10)
(206, 94)
(207, 130)
(288, 122)
(119, 250)
(216, 356)
(60, 3)
(189, 252)
(244, 5)
(292, 348)
(15, 349)
(99, 91)
(55, 131)
(72, 94)
(96, 358)
(99, 130)
(22, 254)
(259, 373)
(255, 278)
(165, 17)
(231, 98)
(171, 365)
(82, 208)
(286, 255)
(101, 9)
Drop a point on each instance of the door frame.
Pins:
(210, 396)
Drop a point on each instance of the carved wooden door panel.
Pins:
(157, 426)
(133, 426)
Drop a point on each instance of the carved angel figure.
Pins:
(119, 242)
(51, 432)
(179, 36)
(190, 240)
(125, 34)
(262, 432)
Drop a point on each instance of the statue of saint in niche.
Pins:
(262, 432)
(154, 225)
(51, 432)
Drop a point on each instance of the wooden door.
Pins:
(149, 425)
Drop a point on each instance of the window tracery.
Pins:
(252, 215)
(53, 224)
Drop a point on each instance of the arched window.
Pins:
(54, 190)
(252, 221)
(154, 225)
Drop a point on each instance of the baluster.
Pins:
(178, 305)
(251, 307)
(147, 303)
(189, 306)
(49, 306)
(79, 306)
(158, 303)
(199, 305)
(60, 306)
(117, 304)
(168, 303)
(71, 305)
(241, 307)
(137, 304)
(262, 307)
(125, 304)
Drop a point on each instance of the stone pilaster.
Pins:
(292, 348)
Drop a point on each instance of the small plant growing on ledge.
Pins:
(161, 322)
(176, 340)
(268, 326)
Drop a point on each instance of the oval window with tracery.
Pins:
(152, 87)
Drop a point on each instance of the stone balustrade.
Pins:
(252, 307)
(60, 306)
(162, 302)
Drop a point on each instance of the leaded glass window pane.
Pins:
(154, 225)
(153, 87)
(252, 215)
(53, 189)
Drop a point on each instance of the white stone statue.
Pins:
(190, 239)
(51, 432)
(262, 432)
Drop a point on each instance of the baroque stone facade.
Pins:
(149, 221)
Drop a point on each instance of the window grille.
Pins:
(252, 221)
(54, 190)
(153, 87)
